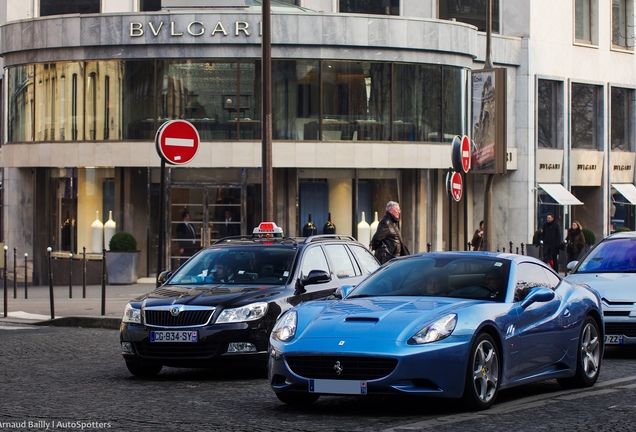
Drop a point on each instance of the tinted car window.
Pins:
(609, 256)
(461, 276)
(341, 260)
(530, 275)
(313, 259)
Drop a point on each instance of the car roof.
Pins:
(621, 235)
(251, 239)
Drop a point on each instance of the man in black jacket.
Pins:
(552, 237)
(387, 241)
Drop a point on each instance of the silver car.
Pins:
(610, 269)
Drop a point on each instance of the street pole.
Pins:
(268, 172)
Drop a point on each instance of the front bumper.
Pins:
(211, 346)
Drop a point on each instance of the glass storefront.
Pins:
(312, 100)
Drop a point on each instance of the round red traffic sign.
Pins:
(456, 186)
(466, 153)
(177, 141)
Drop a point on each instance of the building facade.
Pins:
(367, 98)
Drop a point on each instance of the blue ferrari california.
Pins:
(447, 324)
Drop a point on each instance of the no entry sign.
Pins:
(456, 186)
(177, 142)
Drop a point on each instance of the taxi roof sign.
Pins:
(268, 229)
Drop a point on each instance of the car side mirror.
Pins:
(343, 291)
(538, 294)
(571, 266)
(163, 277)
(316, 277)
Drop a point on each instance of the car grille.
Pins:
(187, 317)
(353, 367)
(187, 351)
(627, 329)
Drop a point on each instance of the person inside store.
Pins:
(229, 227)
(187, 237)
(387, 242)
(575, 241)
(552, 238)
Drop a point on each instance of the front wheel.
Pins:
(145, 370)
(588, 358)
(482, 376)
(297, 399)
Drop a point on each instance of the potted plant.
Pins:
(122, 259)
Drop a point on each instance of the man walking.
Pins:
(387, 242)
(552, 237)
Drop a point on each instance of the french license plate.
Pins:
(338, 386)
(173, 336)
(613, 339)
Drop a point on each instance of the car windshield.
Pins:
(462, 276)
(265, 264)
(614, 255)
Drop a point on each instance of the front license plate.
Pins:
(338, 386)
(173, 336)
(613, 339)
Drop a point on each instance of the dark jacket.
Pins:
(575, 243)
(552, 237)
(387, 241)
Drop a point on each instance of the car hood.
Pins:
(373, 318)
(206, 296)
(610, 286)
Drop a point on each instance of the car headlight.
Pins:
(285, 328)
(131, 314)
(250, 312)
(438, 330)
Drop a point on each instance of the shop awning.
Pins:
(628, 190)
(560, 194)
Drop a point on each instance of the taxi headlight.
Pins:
(131, 314)
(250, 312)
(285, 328)
(436, 331)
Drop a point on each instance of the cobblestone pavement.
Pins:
(70, 378)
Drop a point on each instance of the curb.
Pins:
(80, 321)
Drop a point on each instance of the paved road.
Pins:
(74, 378)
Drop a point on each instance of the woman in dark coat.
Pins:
(575, 241)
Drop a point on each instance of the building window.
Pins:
(622, 24)
(376, 7)
(622, 119)
(549, 114)
(56, 7)
(586, 117)
(585, 21)
(149, 5)
(473, 12)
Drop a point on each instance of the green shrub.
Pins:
(590, 238)
(122, 242)
(621, 229)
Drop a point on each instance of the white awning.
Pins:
(560, 194)
(628, 190)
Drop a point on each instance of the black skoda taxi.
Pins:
(222, 303)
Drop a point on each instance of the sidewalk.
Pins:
(72, 312)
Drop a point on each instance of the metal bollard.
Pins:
(51, 284)
(104, 281)
(70, 275)
(26, 271)
(6, 248)
(510, 243)
(15, 273)
(522, 252)
(84, 272)
(428, 247)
